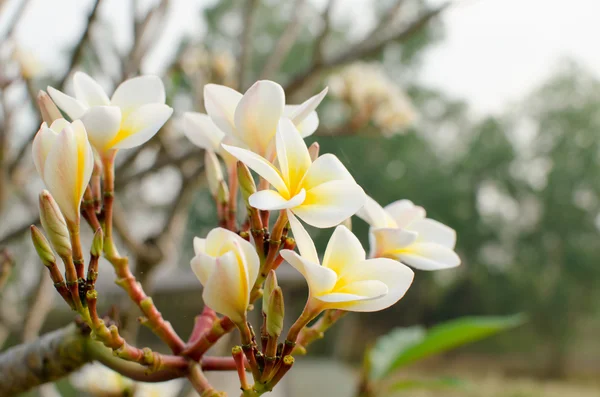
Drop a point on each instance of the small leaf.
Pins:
(388, 347)
(430, 384)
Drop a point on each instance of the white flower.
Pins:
(252, 118)
(401, 231)
(227, 266)
(64, 159)
(130, 118)
(100, 381)
(322, 193)
(345, 279)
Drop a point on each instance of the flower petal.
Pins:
(404, 212)
(220, 102)
(324, 169)
(141, 125)
(259, 165)
(343, 249)
(202, 132)
(307, 107)
(303, 241)
(309, 125)
(320, 279)
(431, 231)
(429, 256)
(88, 91)
(395, 275)
(270, 200)
(71, 106)
(330, 203)
(258, 113)
(138, 91)
(375, 215)
(42, 143)
(203, 266)
(292, 154)
(102, 124)
(350, 295)
(199, 245)
(388, 240)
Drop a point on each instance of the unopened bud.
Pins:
(55, 225)
(313, 151)
(97, 243)
(275, 313)
(223, 193)
(348, 223)
(247, 185)
(42, 246)
(270, 285)
(48, 109)
(214, 173)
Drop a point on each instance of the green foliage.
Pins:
(429, 384)
(404, 346)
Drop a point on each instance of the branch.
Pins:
(359, 51)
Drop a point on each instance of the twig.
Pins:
(244, 60)
(360, 53)
(286, 41)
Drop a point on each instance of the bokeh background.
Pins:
(485, 112)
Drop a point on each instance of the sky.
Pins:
(494, 53)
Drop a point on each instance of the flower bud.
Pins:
(313, 151)
(55, 225)
(42, 246)
(214, 174)
(270, 285)
(275, 313)
(48, 109)
(223, 193)
(247, 185)
(97, 243)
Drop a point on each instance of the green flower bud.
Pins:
(247, 185)
(214, 173)
(42, 247)
(313, 151)
(55, 225)
(97, 243)
(275, 313)
(270, 285)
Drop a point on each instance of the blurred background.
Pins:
(485, 112)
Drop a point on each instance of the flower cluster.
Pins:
(236, 263)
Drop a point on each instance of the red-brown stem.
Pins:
(258, 231)
(211, 363)
(286, 365)
(233, 190)
(96, 188)
(88, 209)
(316, 331)
(288, 244)
(202, 324)
(264, 217)
(197, 349)
(311, 310)
(270, 357)
(238, 358)
(77, 248)
(199, 381)
(59, 284)
(248, 346)
(72, 283)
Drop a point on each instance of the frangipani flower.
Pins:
(130, 118)
(202, 132)
(252, 118)
(64, 159)
(345, 279)
(227, 266)
(322, 193)
(401, 231)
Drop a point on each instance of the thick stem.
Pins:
(311, 310)
(197, 349)
(315, 332)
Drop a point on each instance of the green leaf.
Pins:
(430, 384)
(404, 346)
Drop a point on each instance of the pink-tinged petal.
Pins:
(395, 275)
(258, 113)
(303, 241)
(202, 132)
(429, 256)
(88, 91)
(203, 266)
(324, 169)
(42, 144)
(59, 124)
(307, 107)
(330, 203)
(220, 102)
(102, 124)
(71, 106)
(270, 200)
(404, 212)
(226, 290)
(138, 91)
(343, 249)
(375, 215)
(388, 240)
(141, 125)
(292, 154)
(259, 165)
(431, 231)
(320, 279)
(199, 245)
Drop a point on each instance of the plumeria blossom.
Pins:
(345, 279)
(322, 193)
(252, 118)
(202, 132)
(64, 159)
(132, 116)
(227, 266)
(401, 231)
